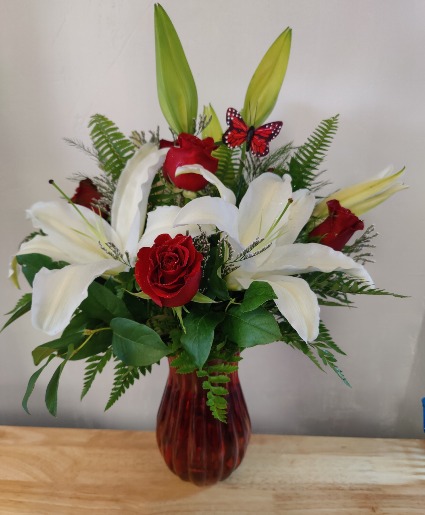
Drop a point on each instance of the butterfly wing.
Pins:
(237, 132)
(262, 137)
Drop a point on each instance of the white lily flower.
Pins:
(272, 214)
(80, 236)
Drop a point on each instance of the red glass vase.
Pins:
(195, 446)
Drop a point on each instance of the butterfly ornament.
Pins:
(257, 140)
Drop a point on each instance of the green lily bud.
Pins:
(177, 93)
(213, 129)
(364, 196)
(264, 88)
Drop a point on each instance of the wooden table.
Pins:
(78, 471)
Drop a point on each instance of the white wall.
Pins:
(61, 61)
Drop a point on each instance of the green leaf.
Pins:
(31, 385)
(177, 93)
(33, 263)
(51, 397)
(265, 85)
(199, 336)
(251, 328)
(136, 344)
(112, 147)
(98, 343)
(60, 344)
(102, 304)
(256, 295)
(23, 306)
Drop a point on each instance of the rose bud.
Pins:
(338, 227)
(86, 194)
(190, 150)
(169, 271)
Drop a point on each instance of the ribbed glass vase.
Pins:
(195, 446)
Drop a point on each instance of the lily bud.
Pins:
(213, 129)
(177, 93)
(264, 87)
(364, 196)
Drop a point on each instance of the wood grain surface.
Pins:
(78, 471)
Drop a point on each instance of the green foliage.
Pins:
(112, 147)
(332, 289)
(31, 264)
(321, 350)
(256, 295)
(136, 344)
(361, 249)
(184, 363)
(95, 366)
(275, 162)
(199, 335)
(228, 165)
(304, 164)
(103, 304)
(216, 376)
(250, 328)
(31, 384)
(124, 377)
(22, 306)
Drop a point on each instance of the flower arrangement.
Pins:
(199, 247)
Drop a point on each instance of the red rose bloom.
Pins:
(169, 271)
(190, 150)
(338, 227)
(86, 194)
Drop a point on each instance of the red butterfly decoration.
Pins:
(257, 140)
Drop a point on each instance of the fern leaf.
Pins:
(112, 147)
(95, 365)
(124, 377)
(304, 164)
(228, 165)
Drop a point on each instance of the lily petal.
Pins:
(160, 221)
(265, 200)
(225, 193)
(298, 304)
(297, 215)
(58, 293)
(210, 211)
(42, 245)
(301, 258)
(76, 233)
(130, 200)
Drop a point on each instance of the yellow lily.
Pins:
(364, 196)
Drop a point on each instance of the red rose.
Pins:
(86, 194)
(338, 227)
(190, 150)
(169, 271)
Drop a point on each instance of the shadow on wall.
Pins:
(415, 391)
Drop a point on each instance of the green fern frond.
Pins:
(183, 363)
(304, 164)
(333, 289)
(112, 147)
(228, 165)
(124, 377)
(95, 365)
